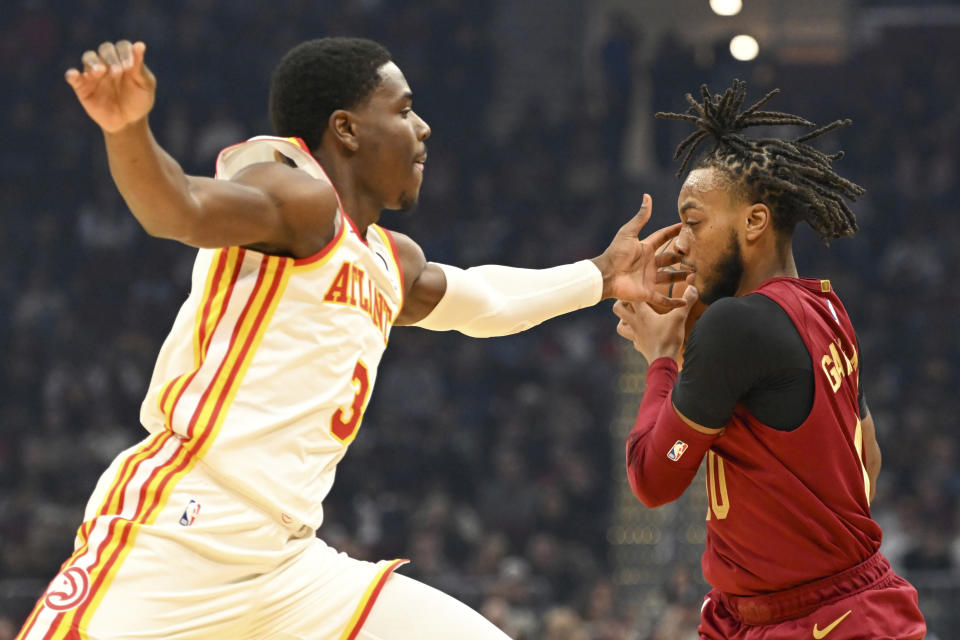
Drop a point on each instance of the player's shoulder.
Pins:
(740, 309)
(289, 184)
(307, 206)
(741, 318)
(407, 247)
(305, 202)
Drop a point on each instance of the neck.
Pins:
(767, 264)
(358, 204)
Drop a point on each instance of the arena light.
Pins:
(744, 47)
(726, 7)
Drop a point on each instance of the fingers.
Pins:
(635, 224)
(665, 248)
(668, 275)
(92, 62)
(125, 53)
(141, 74)
(666, 259)
(73, 77)
(672, 303)
(108, 53)
(115, 58)
(626, 331)
(660, 236)
(137, 50)
(92, 69)
(620, 308)
(690, 294)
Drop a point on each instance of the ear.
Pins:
(343, 126)
(759, 221)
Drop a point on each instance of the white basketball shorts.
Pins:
(166, 552)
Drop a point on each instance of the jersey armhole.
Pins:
(699, 428)
(390, 242)
(330, 247)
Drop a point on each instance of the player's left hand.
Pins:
(114, 85)
(631, 268)
(654, 334)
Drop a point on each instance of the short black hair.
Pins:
(795, 180)
(316, 78)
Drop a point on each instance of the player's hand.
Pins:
(115, 87)
(654, 334)
(631, 267)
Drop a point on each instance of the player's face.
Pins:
(391, 136)
(709, 241)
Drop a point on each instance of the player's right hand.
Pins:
(655, 334)
(115, 87)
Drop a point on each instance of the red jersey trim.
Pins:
(353, 227)
(328, 249)
(300, 144)
(391, 244)
(368, 599)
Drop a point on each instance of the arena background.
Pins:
(496, 465)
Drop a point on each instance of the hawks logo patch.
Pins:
(677, 450)
(68, 589)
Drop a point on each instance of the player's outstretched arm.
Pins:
(273, 208)
(494, 300)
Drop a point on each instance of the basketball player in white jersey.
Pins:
(206, 529)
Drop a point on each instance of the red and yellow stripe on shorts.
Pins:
(369, 598)
(147, 477)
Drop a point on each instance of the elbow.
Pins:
(649, 494)
(158, 229)
(180, 219)
(184, 227)
(649, 501)
(497, 322)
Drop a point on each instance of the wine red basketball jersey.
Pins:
(788, 507)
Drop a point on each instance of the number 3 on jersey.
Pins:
(344, 423)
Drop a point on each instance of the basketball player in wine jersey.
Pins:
(206, 529)
(769, 395)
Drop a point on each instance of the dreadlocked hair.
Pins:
(792, 178)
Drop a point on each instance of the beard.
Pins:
(407, 202)
(727, 275)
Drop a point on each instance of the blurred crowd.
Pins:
(489, 463)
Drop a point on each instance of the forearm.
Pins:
(872, 458)
(493, 300)
(155, 188)
(663, 452)
(873, 472)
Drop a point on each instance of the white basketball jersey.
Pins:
(271, 361)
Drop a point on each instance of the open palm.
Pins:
(633, 267)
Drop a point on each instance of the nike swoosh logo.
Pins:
(818, 633)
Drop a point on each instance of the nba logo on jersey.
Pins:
(677, 450)
(190, 513)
